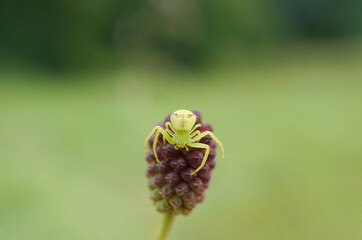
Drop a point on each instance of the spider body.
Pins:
(182, 132)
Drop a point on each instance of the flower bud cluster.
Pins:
(172, 186)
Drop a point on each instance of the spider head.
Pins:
(183, 120)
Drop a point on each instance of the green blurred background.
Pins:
(83, 82)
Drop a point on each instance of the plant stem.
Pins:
(166, 225)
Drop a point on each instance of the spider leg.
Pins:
(168, 124)
(212, 135)
(149, 135)
(165, 135)
(169, 133)
(201, 145)
(195, 133)
(195, 127)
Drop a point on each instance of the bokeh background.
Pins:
(83, 82)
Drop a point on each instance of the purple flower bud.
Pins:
(206, 127)
(164, 166)
(194, 158)
(179, 164)
(186, 175)
(181, 189)
(167, 191)
(158, 179)
(212, 155)
(169, 151)
(172, 178)
(206, 177)
(152, 169)
(150, 157)
(207, 139)
(204, 171)
(196, 184)
(211, 164)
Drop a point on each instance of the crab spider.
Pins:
(182, 133)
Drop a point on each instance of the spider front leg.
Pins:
(165, 135)
(149, 136)
(212, 135)
(201, 145)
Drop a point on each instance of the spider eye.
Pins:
(190, 115)
(175, 114)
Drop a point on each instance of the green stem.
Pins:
(166, 225)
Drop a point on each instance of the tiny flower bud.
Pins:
(175, 202)
(172, 178)
(151, 183)
(155, 194)
(163, 206)
(166, 191)
(164, 166)
(196, 184)
(211, 164)
(169, 152)
(189, 200)
(152, 170)
(186, 175)
(179, 164)
(194, 158)
(181, 189)
(185, 211)
(204, 171)
(150, 157)
(158, 179)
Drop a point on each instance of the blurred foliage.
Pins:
(65, 35)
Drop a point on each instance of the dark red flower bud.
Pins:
(150, 157)
(194, 158)
(186, 175)
(164, 166)
(178, 164)
(169, 151)
(181, 189)
(172, 178)
(196, 184)
(206, 127)
(212, 155)
(205, 170)
(211, 164)
(152, 170)
(158, 179)
(167, 191)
